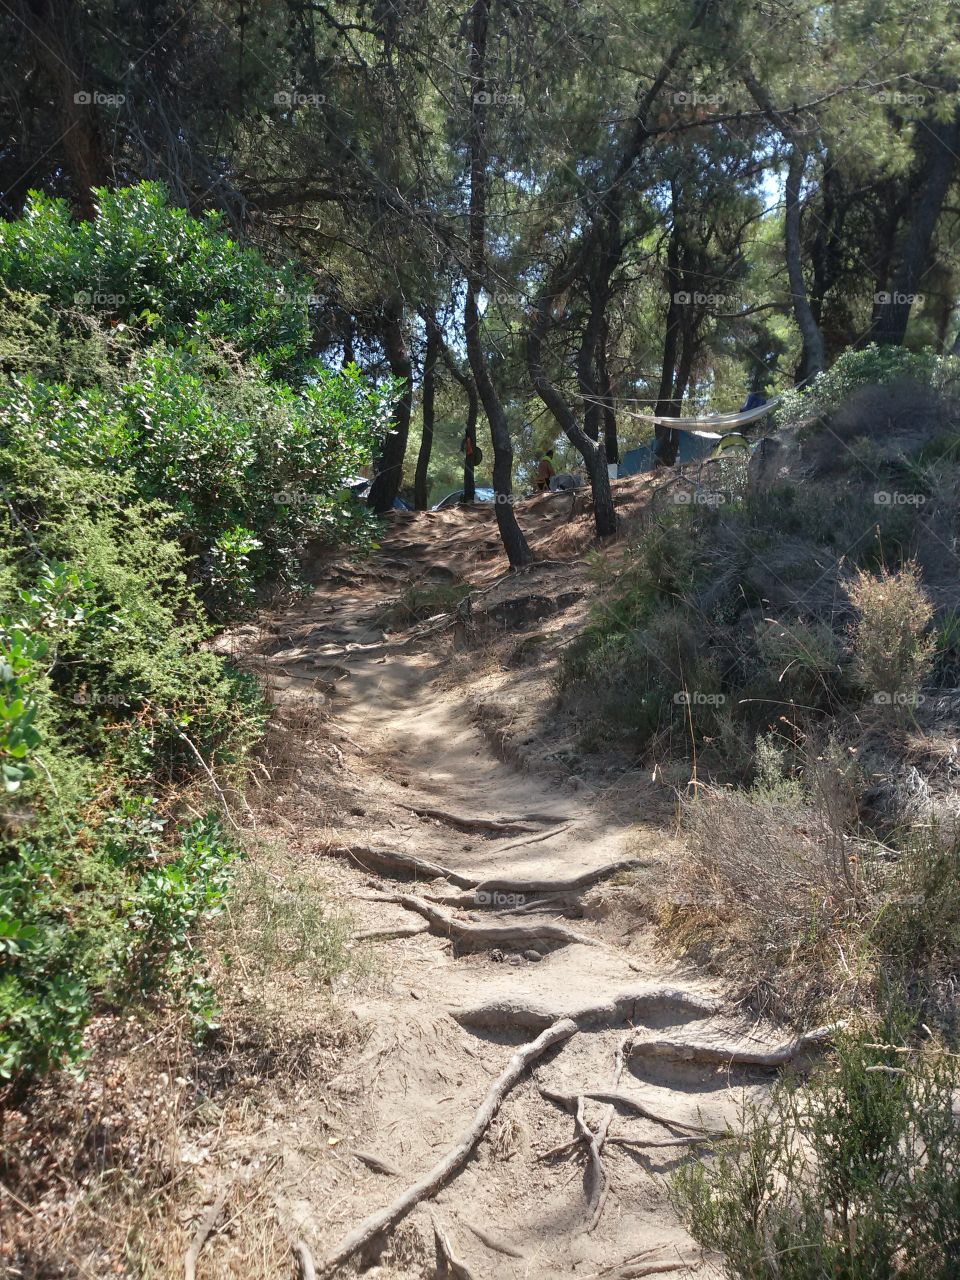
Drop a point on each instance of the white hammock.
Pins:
(721, 423)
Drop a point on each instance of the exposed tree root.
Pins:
(392, 861)
(572, 885)
(626, 1100)
(464, 931)
(636, 1271)
(498, 1246)
(447, 1261)
(534, 839)
(389, 935)
(598, 1184)
(376, 1163)
(208, 1222)
(456, 1158)
(734, 1054)
(625, 1006)
(509, 826)
(304, 1261)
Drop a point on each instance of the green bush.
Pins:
(178, 279)
(852, 1174)
(167, 444)
(870, 366)
(195, 376)
(107, 695)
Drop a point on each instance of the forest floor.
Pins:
(453, 755)
(488, 881)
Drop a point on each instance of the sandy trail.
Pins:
(428, 1055)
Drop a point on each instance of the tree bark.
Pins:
(53, 27)
(668, 440)
(386, 483)
(593, 452)
(610, 440)
(429, 387)
(813, 352)
(939, 141)
(514, 543)
(813, 360)
(473, 413)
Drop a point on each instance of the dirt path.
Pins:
(476, 952)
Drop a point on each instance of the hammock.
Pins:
(721, 423)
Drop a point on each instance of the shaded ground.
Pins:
(365, 1017)
(448, 719)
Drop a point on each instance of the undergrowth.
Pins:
(851, 1173)
(167, 444)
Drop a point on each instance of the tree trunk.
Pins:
(53, 28)
(593, 452)
(813, 360)
(668, 440)
(939, 141)
(514, 543)
(610, 441)
(349, 355)
(473, 413)
(429, 386)
(386, 483)
(813, 353)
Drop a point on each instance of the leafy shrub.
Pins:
(107, 693)
(872, 365)
(179, 279)
(153, 461)
(852, 1174)
(204, 391)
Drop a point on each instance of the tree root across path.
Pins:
(396, 862)
(437, 1177)
(625, 1006)
(447, 1261)
(629, 1103)
(465, 932)
(525, 824)
(735, 1054)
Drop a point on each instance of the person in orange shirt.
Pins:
(545, 470)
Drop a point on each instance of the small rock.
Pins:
(532, 955)
(514, 959)
(496, 955)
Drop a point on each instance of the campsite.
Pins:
(480, 640)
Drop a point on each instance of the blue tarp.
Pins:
(694, 445)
